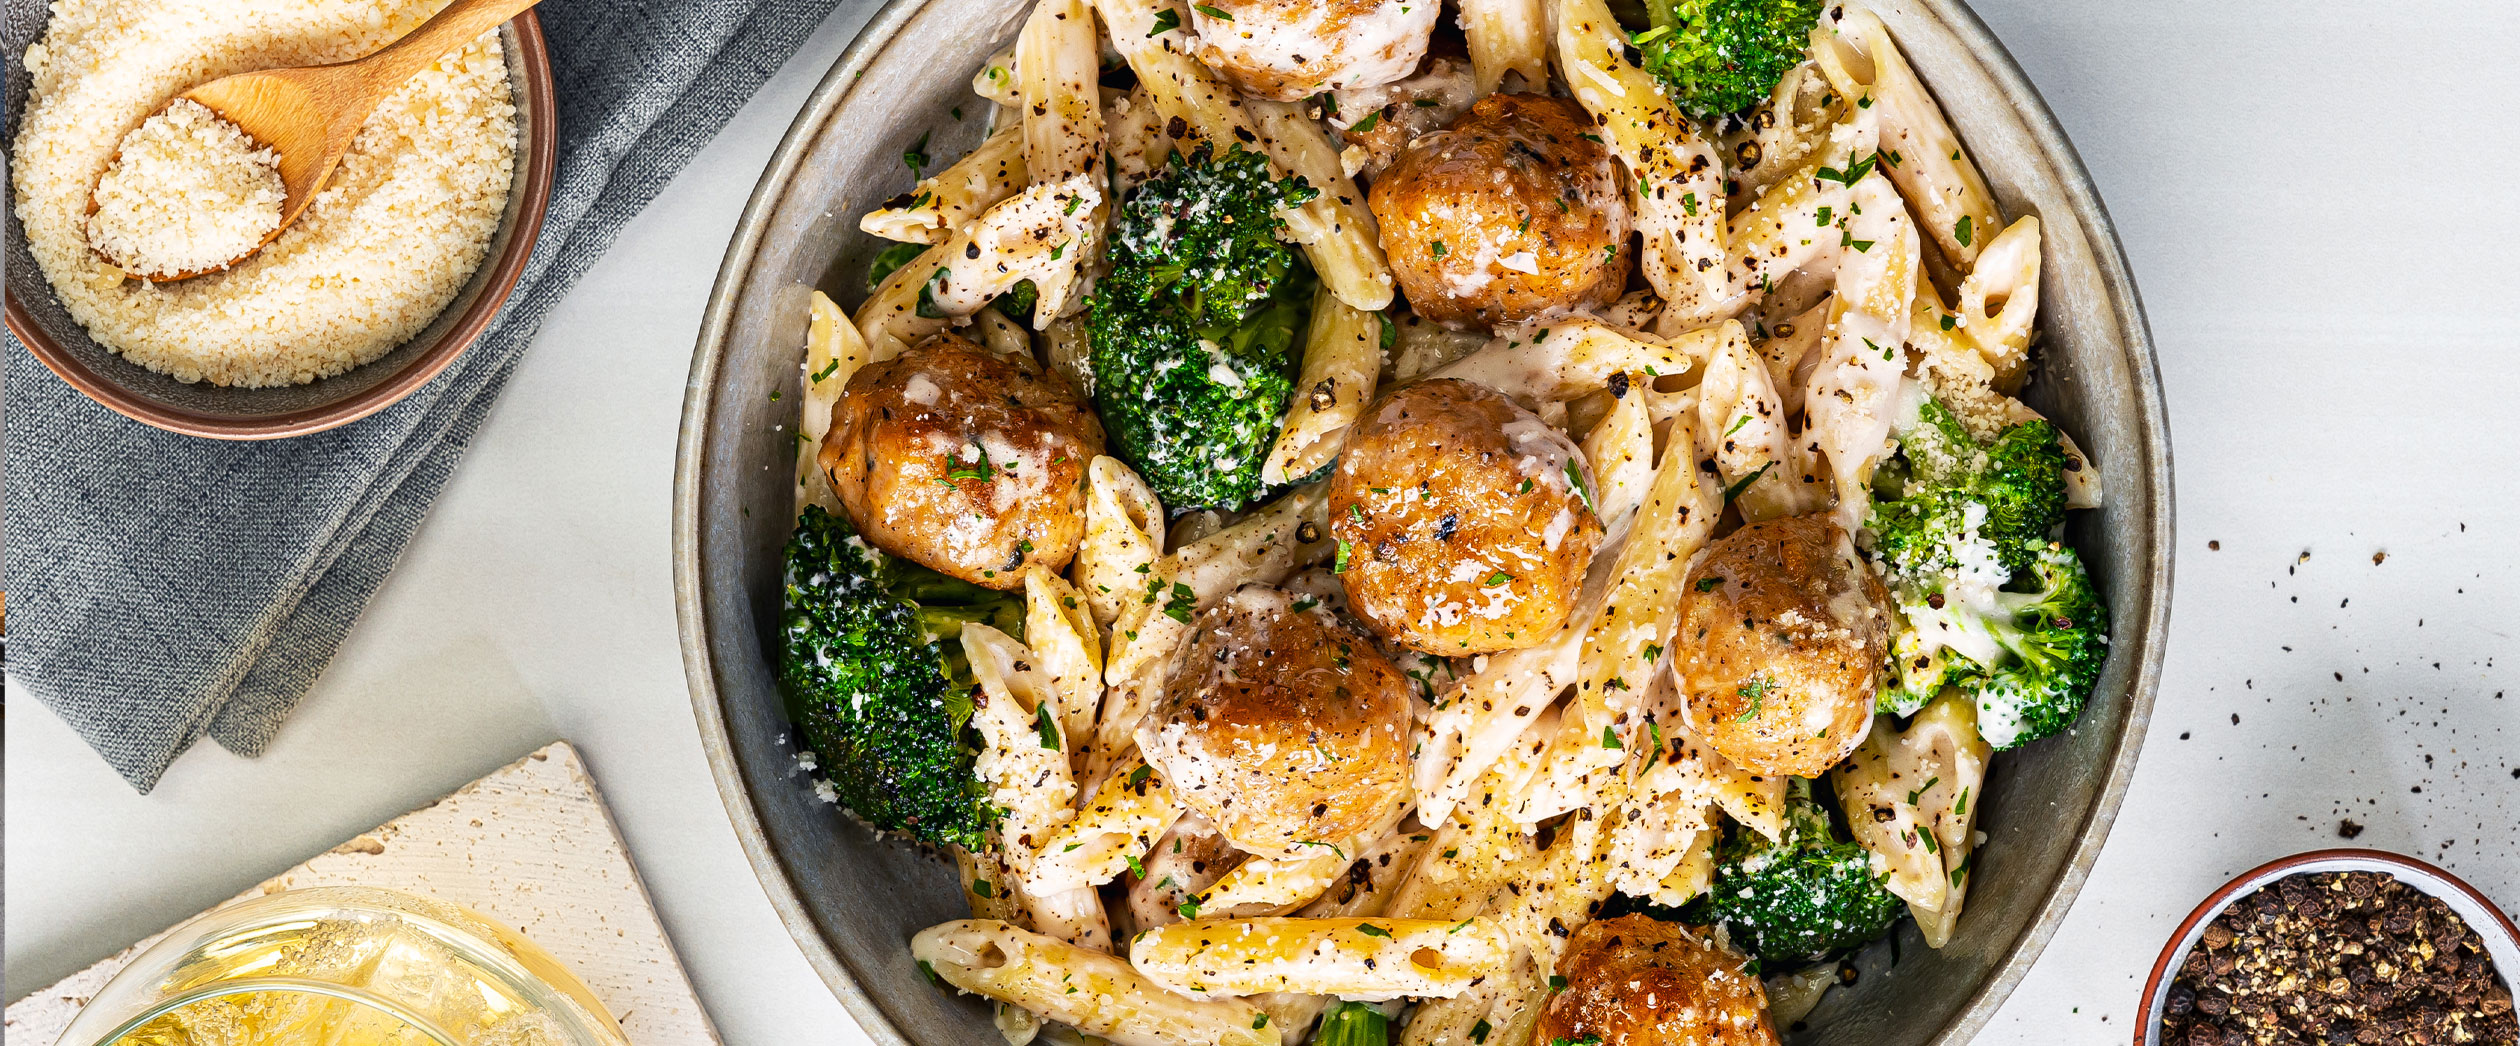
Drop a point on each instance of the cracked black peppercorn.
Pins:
(2339, 957)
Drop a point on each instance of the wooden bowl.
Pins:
(38, 319)
(2502, 939)
(852, 899)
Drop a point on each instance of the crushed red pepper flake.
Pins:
(2336, 958)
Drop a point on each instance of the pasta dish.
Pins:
(1354, 524)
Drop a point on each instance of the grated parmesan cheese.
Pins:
(394, 236)
(187, 192)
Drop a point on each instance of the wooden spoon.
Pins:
(310, 115)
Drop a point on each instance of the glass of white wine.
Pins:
(344, 966)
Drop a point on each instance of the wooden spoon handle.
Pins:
(451, 28)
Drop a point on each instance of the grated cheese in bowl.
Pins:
(187, 192)
(393, 237)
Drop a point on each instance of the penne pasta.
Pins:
(1873, 789)
(1355, 959)
(1919, 151)
(1061, 632)
(1572, 358)
(1942, 746)
(1057, 65)
(1999, 302)
(1116, 824)
(1741, 427)
(1122, 521)
(1041, 234)
(1096, 993)
(996, 79)
(1022, 758)
(1273, 886)
(1343, 351)
(1507, 37)
(951, 198)
(1854, 395)
(833, 352)
(889, 319)
(1623, 645)
(1679, 189)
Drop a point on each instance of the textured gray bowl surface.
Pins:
(209, 409)
(852, 900)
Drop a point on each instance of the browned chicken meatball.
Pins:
(1509, 213)
(963, 460)
(1782, 639)
(1463, 519)
(1283, 728)
(1639, 981)
(1293, 49)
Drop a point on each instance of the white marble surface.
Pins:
(2317, 197)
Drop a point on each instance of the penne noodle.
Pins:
(1022, 758)
(1679, 189)
(951, 198)
(1742, 428)
(1342, 358)
(1507, 36)
(1057, 63)
(1096, 993)
(1337, 230)
(1579, 356)
(1368, 884)
(1624, 643)
(1060, 630)
(889, 319)
(1873, 789)
(1620, 450)
(1122, 519)
(1273, 886)
(1357, 959)
(1479, 845)
(996, 79)
(833, 352)
(1000, 334)
(1941, 746)
(1999, 302)
(1919, 151)
(1119, 822)
(1042, 234)
(1854, 397)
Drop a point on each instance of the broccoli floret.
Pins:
(1352, 1024)
(1809, 895)
(1193, 326)
(1991, 604)
(877, 687)
(1724, 56)
(2054, 634)
(2009, 494)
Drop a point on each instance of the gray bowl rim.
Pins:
(778, 882)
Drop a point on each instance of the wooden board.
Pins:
(532, 846)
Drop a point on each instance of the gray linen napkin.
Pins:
(165, 587)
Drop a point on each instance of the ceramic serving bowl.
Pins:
(2502, 939)
(853, 900)
(36, 316)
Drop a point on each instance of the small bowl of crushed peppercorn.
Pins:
(2334, 947)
